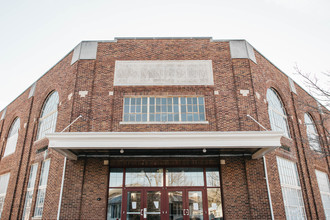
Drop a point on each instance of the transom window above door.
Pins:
(153, 109)
(154, 177)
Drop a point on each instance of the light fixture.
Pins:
(204, 150)
(121, 151)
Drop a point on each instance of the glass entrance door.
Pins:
(164, 193)
(186, 204)
(134, 206)
(143, 204)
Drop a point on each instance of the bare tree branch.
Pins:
(319, 88)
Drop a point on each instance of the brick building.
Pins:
(164, 128)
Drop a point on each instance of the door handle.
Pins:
(145, 213)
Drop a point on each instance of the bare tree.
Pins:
(318, 87)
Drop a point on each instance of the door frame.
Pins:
(144, 192)
(185, 203)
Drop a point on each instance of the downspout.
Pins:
(268, 191)
(63, 174)
(61, 193)
(266, 174)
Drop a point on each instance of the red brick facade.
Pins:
(244, 188)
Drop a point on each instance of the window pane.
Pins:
(291, 190)
(12, 138)
(183, 100)
(152, 109)
(138, 109)
(212, 177)
(195, 205)
(48, 117)
(201, 100)
(153, 205)
(144, 177)
(214, 201)
(184, 177)
(114, 204)
(324, 186)
(175, 205)
(116, 177)
(138, 117)
(138, 101)
(133, 205)
(42, 189)
(144, 109)
(170, 117)
(44, 173)
(183, 117)
(276, 112)
(126, 101)
(312, 135)
(29, 193)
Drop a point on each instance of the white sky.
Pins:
(36, 34)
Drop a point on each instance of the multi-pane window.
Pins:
(48, 117)
(29, 192)
(4, 179)
(312, 135)
(164, 109)
(324, 186)
(12, 137)
(276, 112)
(291, 189)
(42, 189)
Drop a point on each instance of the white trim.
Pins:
(266, 141)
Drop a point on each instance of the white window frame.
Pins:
(4, 180)
(29, 192)
(48, 117)
(41, 194)
(312, 134)
(289, 179)
(165, 122)
(279, 111)
(12, 137)
(324, 188)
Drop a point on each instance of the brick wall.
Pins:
(243, 184)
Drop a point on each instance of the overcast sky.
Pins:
(36, 34)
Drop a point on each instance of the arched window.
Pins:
(12, 137)
(312, 135)
(48, 117)
(276, 112)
